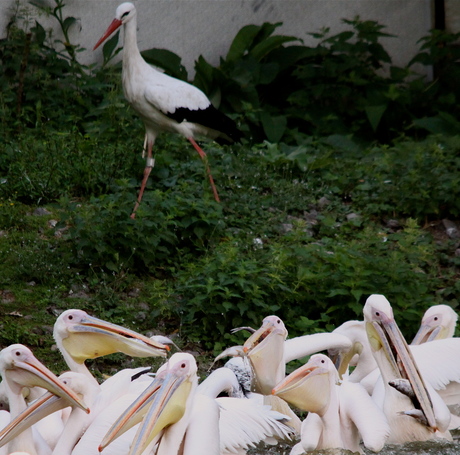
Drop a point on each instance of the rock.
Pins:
(451, 229)
(41, 211)
(393, 224)
(352, 216)
(323, 202)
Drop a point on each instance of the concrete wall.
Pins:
(191, 28)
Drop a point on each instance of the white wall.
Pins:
(206, 27)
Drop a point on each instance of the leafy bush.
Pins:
(412, 179)
(167, 226)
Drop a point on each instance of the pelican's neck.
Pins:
(77, 423)
(25, 440)
(71, 362)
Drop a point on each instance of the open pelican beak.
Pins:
(116, 23)
(32, 373)
(102, 338)
(384, 334)
(162, 404)
(427, 333)
(265, 351)
(305, 388)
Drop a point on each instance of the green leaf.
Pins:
(167, 60)
(374, 114)
(440, 124)
(68, 22)
(268, 45)
(109, 47)
(242, 42)
(274, 127)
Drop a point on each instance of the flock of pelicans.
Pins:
(371, 389)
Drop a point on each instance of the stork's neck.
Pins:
(131, 53)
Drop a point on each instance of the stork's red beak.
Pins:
(116, 23)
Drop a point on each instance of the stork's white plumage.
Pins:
(165, 103)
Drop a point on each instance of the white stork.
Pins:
(165, 103)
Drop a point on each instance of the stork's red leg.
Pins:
(150, 162)
(206, 165)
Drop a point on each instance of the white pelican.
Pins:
(438, 322)
(176, 418)
(268, 351)
(80, 337)
(19, 368)
(165, 103)
(340, 414)
(414, 410)
(79, 424)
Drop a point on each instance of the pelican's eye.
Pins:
(183, 365)
(323, 361)
(70, 317)
(435, 318)
(377, 313)
(18, 353)
(278, 321)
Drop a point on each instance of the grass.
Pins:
(287, 238)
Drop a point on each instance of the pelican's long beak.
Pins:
(40, 408)
(384, 334)
(133, 414)
(32, 373)
(265, 350)
(116, 23)
(427, 333)
(342, 358)
(306, 388)
(102, 338)
(168, 397)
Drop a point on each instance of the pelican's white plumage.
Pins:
(187, 419)
(340, 415)
(19, 368)
(419, 413)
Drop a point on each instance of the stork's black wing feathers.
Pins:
(210, 118)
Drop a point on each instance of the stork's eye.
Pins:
(124, 14)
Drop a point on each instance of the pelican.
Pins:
(82, 432)
(413, 409)
(340, 414)
(19, 368)
(80, 337)
(178, 416)
(268, 351)
(438, 322)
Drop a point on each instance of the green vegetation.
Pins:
(337, 192)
